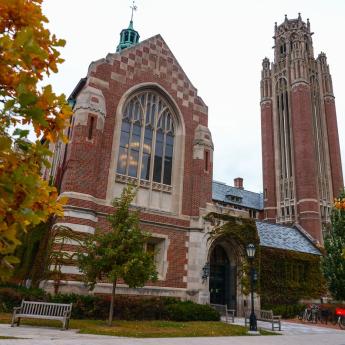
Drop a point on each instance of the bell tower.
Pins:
(300, 145)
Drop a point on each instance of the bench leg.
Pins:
(13, 320)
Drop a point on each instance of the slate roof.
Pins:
(222, 192)
(284, 237)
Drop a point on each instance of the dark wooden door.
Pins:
(222, 279)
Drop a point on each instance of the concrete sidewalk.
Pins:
(291, 328)
(300, 335)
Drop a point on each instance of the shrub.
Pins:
(287, 311)
(125, 307)
(84, 306)
(11, 296)
(189, 311)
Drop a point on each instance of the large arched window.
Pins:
(147, 138)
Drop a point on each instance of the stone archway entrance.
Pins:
(222, 282)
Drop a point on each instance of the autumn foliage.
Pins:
(340, 203)
(28, 54)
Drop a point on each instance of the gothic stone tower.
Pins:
(300, 145)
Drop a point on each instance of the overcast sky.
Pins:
(220, 45)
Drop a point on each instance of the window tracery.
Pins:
(147, 138)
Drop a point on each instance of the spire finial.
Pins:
(134, 8)
(129, 36)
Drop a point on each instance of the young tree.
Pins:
(333, 263)
(119, 253)
(28, 53)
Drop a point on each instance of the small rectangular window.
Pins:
(151, 248)
(207, 160)
(71, 129)
(92, 120)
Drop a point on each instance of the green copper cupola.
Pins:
(129, 36)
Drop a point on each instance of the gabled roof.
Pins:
(284, 237)
(222, 192)
(149, 60)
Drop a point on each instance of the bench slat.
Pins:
(42, 310)
(264, 315)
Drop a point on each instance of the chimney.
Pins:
(238, 182)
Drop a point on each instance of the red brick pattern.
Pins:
(268, 165)
(307, 77)
(87, 162)
(334, 147)
(304, 160)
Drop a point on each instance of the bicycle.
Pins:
(339, 318)
(310, 314)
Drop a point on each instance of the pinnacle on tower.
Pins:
(129, 36)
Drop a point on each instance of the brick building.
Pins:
(302, 171)
(138, 119)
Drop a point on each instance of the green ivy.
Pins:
(285, 276)
(288, 276)
(241, 231)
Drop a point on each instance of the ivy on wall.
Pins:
(288, 276)
(285, 276)
(242, 231)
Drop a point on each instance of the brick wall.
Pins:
(88, 160)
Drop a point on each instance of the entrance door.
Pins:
(222, 279)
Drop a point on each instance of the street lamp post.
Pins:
(251, 254)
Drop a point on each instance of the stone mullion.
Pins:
(287, 151)
(318, 143)
(129, 146)
(154, 136)
(282, 146)
(142, 136)
(286, 132)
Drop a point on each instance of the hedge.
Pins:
(287, 311)
(125, 307)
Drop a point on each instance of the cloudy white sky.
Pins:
(220, 45)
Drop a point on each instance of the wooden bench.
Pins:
(42, 310)
(224, 311)
(264, 315)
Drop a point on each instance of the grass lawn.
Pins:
(145, 329)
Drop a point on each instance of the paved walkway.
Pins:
(293, 334)
(292, 328)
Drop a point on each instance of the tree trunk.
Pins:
(111, 310)
(39, 267)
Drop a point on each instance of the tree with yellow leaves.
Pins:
(28, 54)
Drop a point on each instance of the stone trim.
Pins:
(77, 227)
